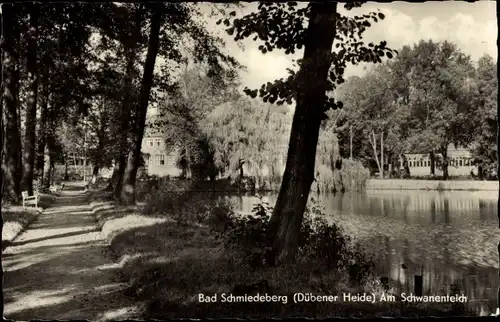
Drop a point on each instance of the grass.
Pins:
(168, 263)
(17, 218)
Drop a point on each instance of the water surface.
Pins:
(448, 237)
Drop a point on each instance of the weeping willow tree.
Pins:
(334, 173)
(249, 139)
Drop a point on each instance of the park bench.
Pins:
(30, 200)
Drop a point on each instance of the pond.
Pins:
(450, 238)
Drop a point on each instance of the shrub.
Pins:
(321, 243)
(351, 176)
(187, 207)
(247, 235)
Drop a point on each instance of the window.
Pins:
(466, 162)
(460, 162)
(158, 143)
(162, 159)
(410, 163)
(150, 142)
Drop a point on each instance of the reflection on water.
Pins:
(448, 237)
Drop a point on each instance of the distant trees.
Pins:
(430, 96)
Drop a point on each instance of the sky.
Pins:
(472, 26)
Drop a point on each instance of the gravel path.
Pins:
(61, 269)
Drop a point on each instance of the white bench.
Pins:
(30, 200)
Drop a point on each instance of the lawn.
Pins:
(18, 218)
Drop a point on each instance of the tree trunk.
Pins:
(124, 127)
(29, 137)
(47, 167)
(128, 193)
(17, 71)
(288, 213)
(95, 173)
(42, 128)
(382, 155)
(114, 177)
(444, 152)
(432, 158)
(66, 167)
(11, 134)
(98, 161)
(406, 167)
(118, 182)
(372, 138)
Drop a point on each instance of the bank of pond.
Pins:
(444, 237)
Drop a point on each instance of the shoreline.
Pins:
(438, 185)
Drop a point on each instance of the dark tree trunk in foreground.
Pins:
(11, 146)
(29, 137)
(288, 213)
(134, 159)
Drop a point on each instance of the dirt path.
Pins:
(61, 268)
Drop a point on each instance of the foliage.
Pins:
(423, 100)
(486, 119)
(321, 243)
(283, 26)
(184, 206)
(248, 132)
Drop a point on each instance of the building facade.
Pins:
(158, 160)
(460, 163)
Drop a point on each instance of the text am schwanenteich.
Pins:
(412, 298)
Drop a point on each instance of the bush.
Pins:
(321, 244)
(187, 207)
(351, 176)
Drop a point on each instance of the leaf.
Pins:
(381, 15)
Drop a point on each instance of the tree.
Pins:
(439, 95)
(30, 128)
(170, 24)
(142, 105)
(248, 132)
(485, 145)
(10, 60)
(282, 26)
(62, 58)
